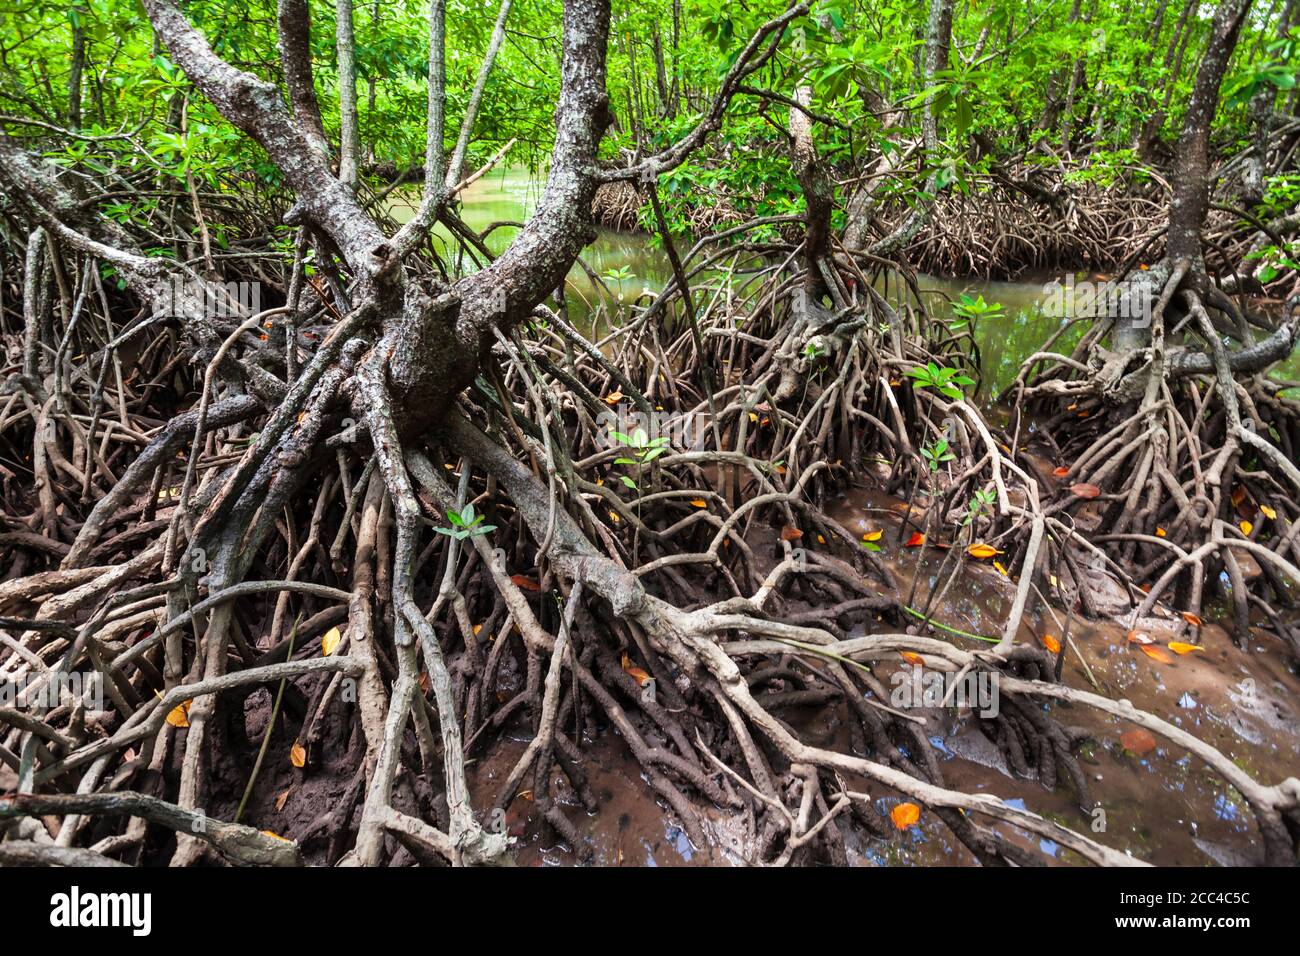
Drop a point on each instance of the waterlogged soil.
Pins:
(1163, 806)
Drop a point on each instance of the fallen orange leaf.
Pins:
(614, 397)
(872, 536)
(1085, 490)
(916, 540)
(1160, 532)
(790, 533)
(982, 550)
(1138, 637)
(1192, 619)
(298, 755)
(699, 503)
(636, 673)
(274, 835)
(1060, 472)
(1138, 741)
(904, 815)
(1157, 653)
(1051, 643)
(525, 582)
(913, 658)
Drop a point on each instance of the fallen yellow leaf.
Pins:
(1246, 527)
(180, 714)
(614, 397)
(330, 642)
(1268, 512)
(872, 536)
(276, 836)
(1001, 569)
(1180, 647)
(982, 550)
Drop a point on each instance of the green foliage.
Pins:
(941, 379)
(937, 453)
(465, 524)
(966, 311)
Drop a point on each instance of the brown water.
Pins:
(1164, 807)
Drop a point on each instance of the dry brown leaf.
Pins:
(282, 799)
(790, 533)
(1085, 490)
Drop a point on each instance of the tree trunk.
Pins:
(1191, 166)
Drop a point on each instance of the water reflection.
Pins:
(629, 263)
